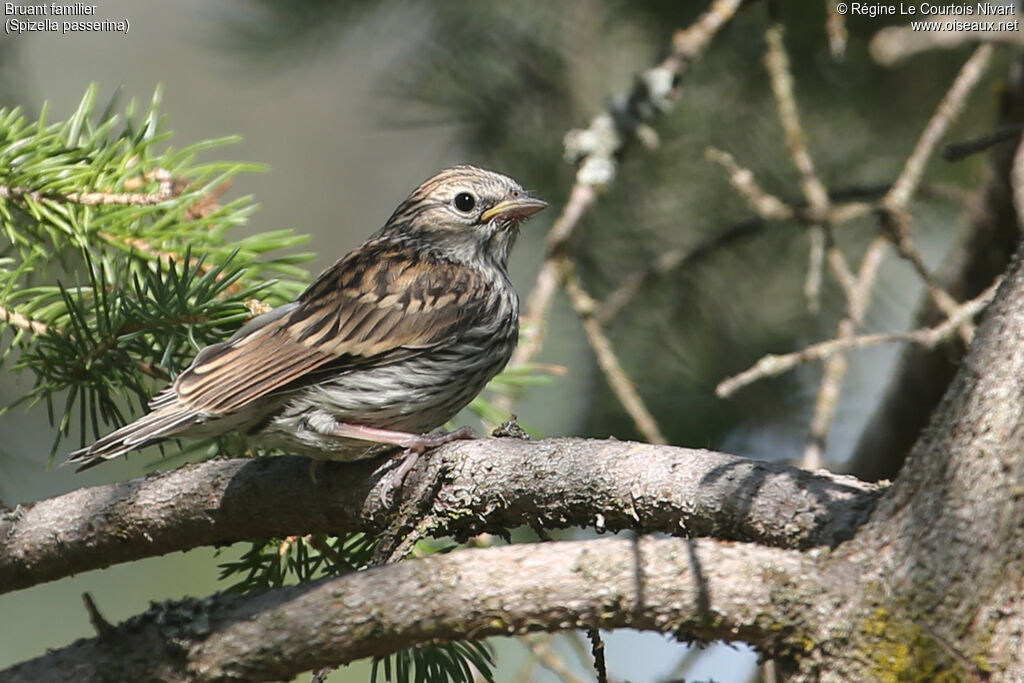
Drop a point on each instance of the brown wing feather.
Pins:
(374, 306)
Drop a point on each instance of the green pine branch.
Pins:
(118, 261)
(100, 281)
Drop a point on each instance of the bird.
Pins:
(384, 346)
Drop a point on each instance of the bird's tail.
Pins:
(153, 428)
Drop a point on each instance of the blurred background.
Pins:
(352, 104)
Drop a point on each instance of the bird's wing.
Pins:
(376, 305)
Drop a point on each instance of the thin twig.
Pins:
(827, 399)
(894, 204)
(777, 62)
(908, 180)
(835, 29)
(540, 648)
(674, 259)
(851, 211)
(99, 623)
(765, 205)
(145, 247)
(840, 267)
(928, 337)
(769, 207)
(815, 257)
(23, 322)
(866, 276)
(618, 380)
(894, 216)
(957, 151)
(898, 224)
(320, 543)
(165, 192)
(579, 647)
(825, 403)
(597, 150)
(597, 650)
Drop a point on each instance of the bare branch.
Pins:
(597, 149)
(982, 252)
(894, 212)
(769, 207)
(701, 589)
(898, 223)
(486, 484)
(929, 337)
(895, 217)
(777, 63)
(86, 198)
(814, 191)
(146, 248)
(617, 378)
(835, 29)
(835, 366)
(540, 648)
(907, 182)
(956, 151)
(765, 205)
(674, 259)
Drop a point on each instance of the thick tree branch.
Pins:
(465, 487)
(937, 570)
(694, 589)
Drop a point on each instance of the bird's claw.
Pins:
(393, 480)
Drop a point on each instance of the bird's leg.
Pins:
(415, 445)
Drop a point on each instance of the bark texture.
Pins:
(693, 588)
(462, 489)
(931, 588)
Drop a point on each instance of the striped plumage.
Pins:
(398, 335)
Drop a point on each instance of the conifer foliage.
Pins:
(121, 258)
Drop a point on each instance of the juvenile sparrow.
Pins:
(387, 344)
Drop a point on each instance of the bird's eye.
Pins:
(464, 202)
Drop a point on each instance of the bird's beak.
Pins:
(515, 207)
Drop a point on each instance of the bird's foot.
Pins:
(418, 443)
(415, 445)
(393, 480)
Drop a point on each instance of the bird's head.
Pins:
(465, 212)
